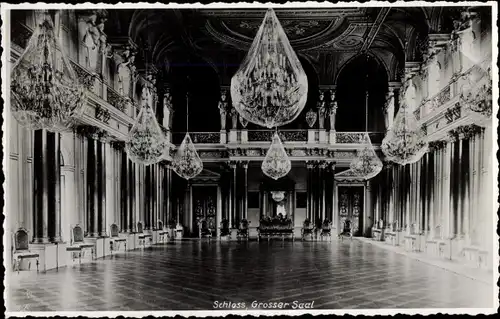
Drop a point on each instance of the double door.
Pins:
(351, 204)
(205, 207)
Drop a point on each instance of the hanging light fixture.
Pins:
(270, 87)
(276, 164)
(186, 162)
(46, 93)
(146, 143)
(406, 140)
(366, 164)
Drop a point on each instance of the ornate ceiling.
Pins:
(326, 38)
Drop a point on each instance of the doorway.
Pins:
(205, 207)
(351, 204)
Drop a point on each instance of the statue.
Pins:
(321, 109)
(125, 71)
(223, 110)
(167, 110)
(380, 224)
(234, 118)
(332, 112)
(91, 42)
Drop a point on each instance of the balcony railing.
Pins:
(285, 135)
(197, 137)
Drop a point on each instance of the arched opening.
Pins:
(200, 80)
(362, 75)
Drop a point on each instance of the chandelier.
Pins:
(406, 140)
(146, 143)
(276, 164)
(270, 87)
(366, 164)
(46, 93)
(186, 162)
(278, 196)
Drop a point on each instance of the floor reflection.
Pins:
(193, 275)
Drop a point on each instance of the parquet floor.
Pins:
(192, 275)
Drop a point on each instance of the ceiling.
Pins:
(326, 38)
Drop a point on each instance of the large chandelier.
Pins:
(276, 164)
(366, 164)
(406, 140)
(146, 143)
(270, 87)
(46, 93)
(186, 162)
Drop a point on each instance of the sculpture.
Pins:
(91, 41)
(223, 110)
(167, 110)
(234, 118)
(321, 109)
(125, 70)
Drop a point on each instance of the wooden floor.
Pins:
(192, 275)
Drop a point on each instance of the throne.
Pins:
(243, 229)
(21, 250)
(142, 236)
(224, 228)
(346, 230)
(307, 228)
(115, 241)
(204, 229)
(326, 229)
(78, 246)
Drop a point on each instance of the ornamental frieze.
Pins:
(465, 132)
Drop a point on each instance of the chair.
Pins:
(326, 229)
(78, 245)
(162, 234)
(204, 229)
(307, 229)
(115, 240)
(21, 250)
(347, 230)
(243, 229)
(224, 228)
(142, 236)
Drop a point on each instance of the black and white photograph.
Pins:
(250, 158)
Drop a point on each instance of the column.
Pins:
(310, 167)
(124, 193)
(333, 208)
(54, 173)
(475, 189)
(245, 190)
(322, 182)
(232, 194)
(446, 165)
(101, 190)
(466, 196)
(235, 196)
(41, 184)
(368, 210)
(92, 187)
(431, 177)
(219, 210)
(168, 196)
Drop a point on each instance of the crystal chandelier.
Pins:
(276, 164)
(406, 140)
(366, 164)
(46, 93)
(270, 87)
(146, 143)
(186, 162)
